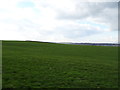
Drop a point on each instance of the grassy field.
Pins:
(28, 64)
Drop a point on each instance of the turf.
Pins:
(28, 64)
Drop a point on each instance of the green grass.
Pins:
(28, 64)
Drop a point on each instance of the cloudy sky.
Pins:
(59, 20)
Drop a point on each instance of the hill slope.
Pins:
(45, 65)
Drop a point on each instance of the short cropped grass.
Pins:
(28, 64)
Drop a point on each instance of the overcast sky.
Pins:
(59, 20)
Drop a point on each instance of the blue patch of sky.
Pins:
(95, 24)
(112, 33)
(37, 11)
(2, 10)
(25, 4)
(101, 36)
(98, 25)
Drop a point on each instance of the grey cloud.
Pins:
(103, 12)
(87, 9)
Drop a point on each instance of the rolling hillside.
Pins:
(29, 64)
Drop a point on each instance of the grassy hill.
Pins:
(48, 65)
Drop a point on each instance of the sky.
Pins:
(79, 21)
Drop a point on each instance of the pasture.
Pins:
(27, 64)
